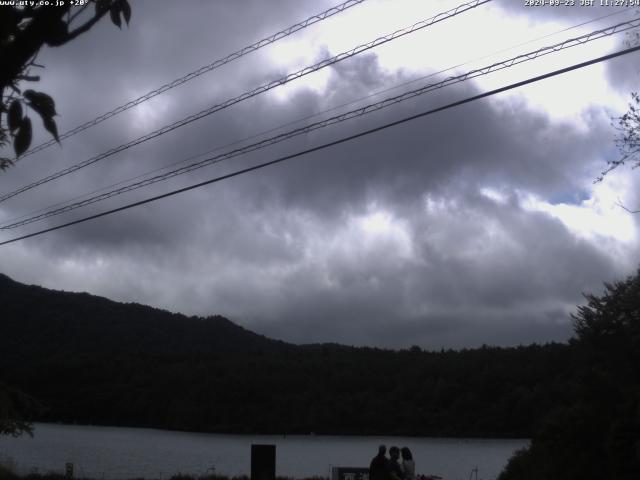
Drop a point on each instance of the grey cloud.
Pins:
(451, 296)
(280, 250)
(622, 72)
(492, 145)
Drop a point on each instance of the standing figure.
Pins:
(408, 465)
(379, 467)
(395, 470)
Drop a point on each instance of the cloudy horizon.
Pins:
(481, 224)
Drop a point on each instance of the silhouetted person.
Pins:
(379, 467)
(395, 470)
(408, 465)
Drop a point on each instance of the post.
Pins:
(263, 462)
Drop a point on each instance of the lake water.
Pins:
(120, 453)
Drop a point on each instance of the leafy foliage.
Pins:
(16, 411)
(597, 434)
(6, 473)
(23, 31)
(628, 138)
(628, 125)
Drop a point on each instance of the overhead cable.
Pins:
(200, 71)
(387, 102)
(263, 88)
(331, 144)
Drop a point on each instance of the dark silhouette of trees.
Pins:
(93, 361)
(597, 433)
(628, 127)
(17, 409)
(627, 139)
(23, 32)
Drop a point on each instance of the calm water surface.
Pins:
(119, 453)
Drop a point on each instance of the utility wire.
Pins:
(5, 223)
(302, 119)
(581, 40)
(200, 71)
(263, 88)
(337, 119)
(334, 143)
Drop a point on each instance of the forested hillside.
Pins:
(91, 360)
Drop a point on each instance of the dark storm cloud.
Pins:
(483, 272)
(286, 250)
(490, 143)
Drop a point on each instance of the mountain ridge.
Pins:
(91, 360)
(81, 309)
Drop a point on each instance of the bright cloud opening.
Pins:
(598, 217)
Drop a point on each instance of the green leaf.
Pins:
(114, 11)
(126, 10)
(15, 115)
(50, 124)
(41, 103)
(23, 138)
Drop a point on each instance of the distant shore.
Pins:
(459, 437)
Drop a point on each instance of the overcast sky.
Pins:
(477, 225)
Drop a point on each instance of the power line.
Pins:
(4, 224)
(313, 115)
(501, 65)
(263, 88)
(334, 143)
(200, 71)
(308, 117)
(337, 119)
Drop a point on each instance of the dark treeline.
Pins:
(93, 361)
(596, 435)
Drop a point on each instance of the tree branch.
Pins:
(29, 78)
(26, 44)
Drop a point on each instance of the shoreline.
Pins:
(461, 438)
(122, 453)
